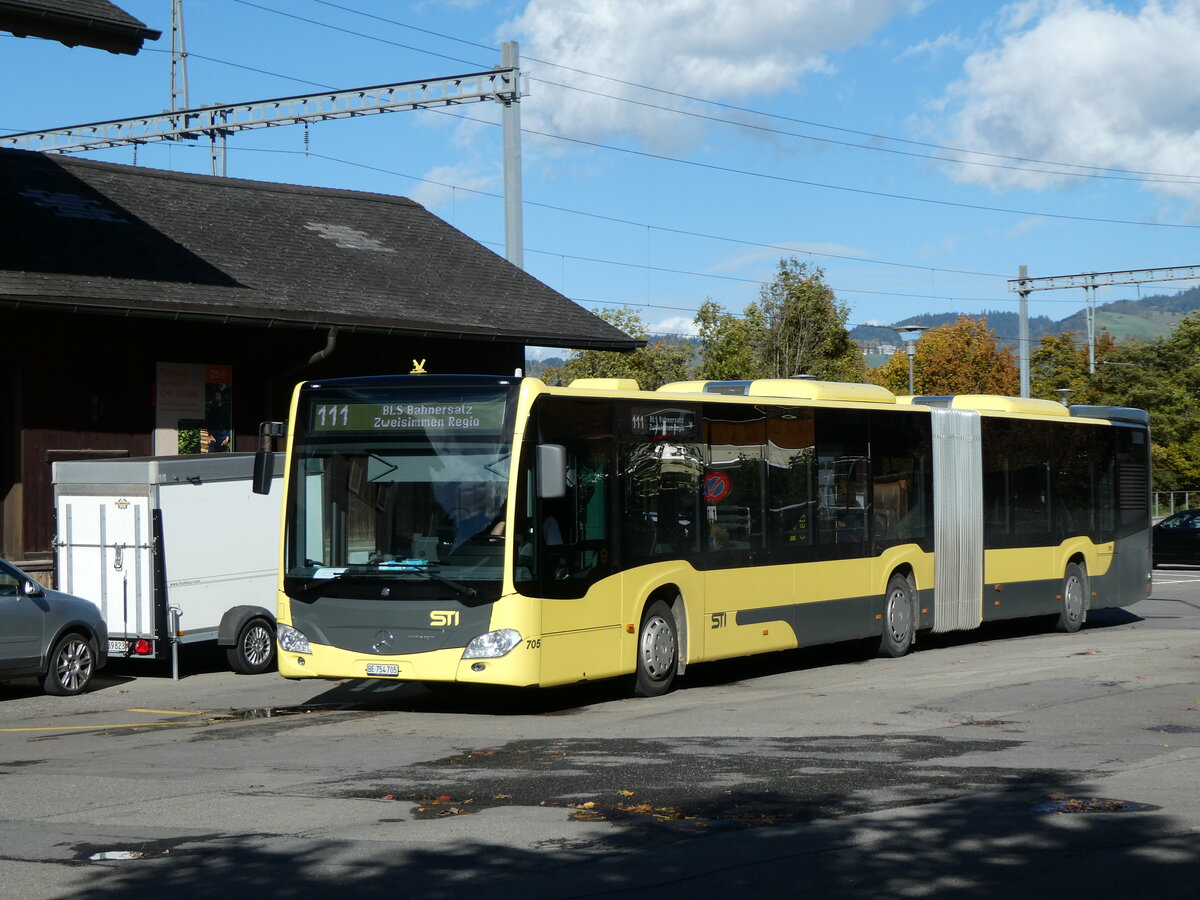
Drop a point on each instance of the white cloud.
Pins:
(708, 48)
(952, 42)
(443, 187)
(1075, 81)
(815, 254)
(683, 325)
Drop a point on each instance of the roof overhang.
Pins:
(303, 322)
(97, 24)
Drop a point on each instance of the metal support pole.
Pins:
(1023, 334)
(1090, 291)
(179, 77)
(910, 334)
(514, 229)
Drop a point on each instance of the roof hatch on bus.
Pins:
(788, 389)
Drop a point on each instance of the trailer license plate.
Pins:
(118, 646)
(383, 669)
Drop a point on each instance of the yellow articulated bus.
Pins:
(492, 530)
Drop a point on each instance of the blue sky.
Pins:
(918, 151)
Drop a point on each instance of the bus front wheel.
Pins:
(657, 651)
(1072, 599)
(898, 621)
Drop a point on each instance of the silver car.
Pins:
(56, 637)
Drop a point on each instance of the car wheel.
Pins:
(254, 652)
(71, 666)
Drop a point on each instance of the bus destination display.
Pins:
(423, 416)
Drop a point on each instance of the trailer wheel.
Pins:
(254, 652)
(71, 666)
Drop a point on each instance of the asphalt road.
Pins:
(1011, 761)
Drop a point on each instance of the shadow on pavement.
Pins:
(989, 846)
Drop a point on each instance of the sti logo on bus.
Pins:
(443, 618)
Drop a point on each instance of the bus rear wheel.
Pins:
(898, 620)
(1073, 599)
(657, 651)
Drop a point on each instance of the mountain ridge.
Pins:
(1144, 318)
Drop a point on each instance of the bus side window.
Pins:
(843, 475)
(791, 475)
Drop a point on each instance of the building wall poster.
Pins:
(193, 409)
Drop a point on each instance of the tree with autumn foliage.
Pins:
(652, 366)
(956, 358)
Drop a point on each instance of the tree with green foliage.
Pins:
(1163, 378)
(956, 358)
(1061, 361)
(727, 344)
(652, 365)
(798, 327)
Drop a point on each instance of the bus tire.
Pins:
(657, 651)
(254, 652)
(898, 623)
(1073, 599)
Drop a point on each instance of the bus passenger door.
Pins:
(569, 553)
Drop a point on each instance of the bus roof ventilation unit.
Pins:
(1021, 405)
(942, 402)
(806, 389)
(605, 384)
(1113, 414)
(685, 387)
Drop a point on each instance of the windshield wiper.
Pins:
(422, 567)
(372, 569)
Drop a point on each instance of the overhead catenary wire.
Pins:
(1088, 170)
(1098, 172)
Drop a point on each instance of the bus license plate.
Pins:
(118, 646)
(382, 669)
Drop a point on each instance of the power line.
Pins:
(696, 234)
(1095, 170)
(852, 190)
(710, 166)
(1141, 178)
(731, 170)
(666, 229)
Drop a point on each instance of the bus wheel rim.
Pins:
(898, 615)
(658, 648)
(1073, 597)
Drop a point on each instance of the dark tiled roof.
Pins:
(144, 241)
(92, 23)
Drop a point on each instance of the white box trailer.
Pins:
(173, 550)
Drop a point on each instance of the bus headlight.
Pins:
(492, 645)
(292, 641)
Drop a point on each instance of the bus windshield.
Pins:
(400, 484)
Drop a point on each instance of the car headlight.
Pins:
(292, 641)
(492, 645)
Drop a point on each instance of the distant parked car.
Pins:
(58, 638)
(1177, 538)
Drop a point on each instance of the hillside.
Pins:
(1145, 318)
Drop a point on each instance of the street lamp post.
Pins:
(1063, 394)
(910, 334)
